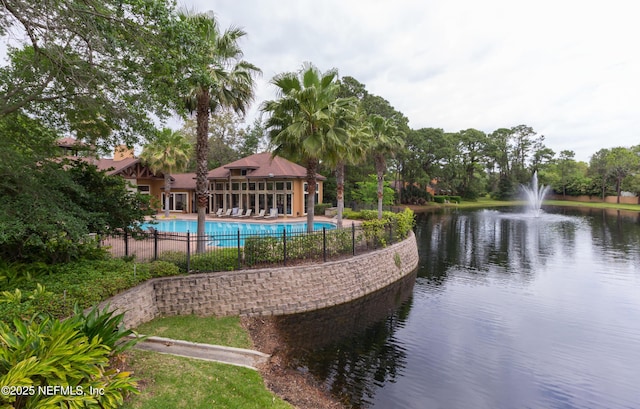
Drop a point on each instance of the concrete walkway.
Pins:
(247, 358)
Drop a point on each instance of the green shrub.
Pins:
(260, 249)
(392, 226)
(368, 214)
(305, 246)
(161, 268)
(48, 352)
(86, 282)
(106, 326)
(350, 214)
(375, 232)
(447, 199)
(404, 222)
(222, 259)
(177, 258)
(319, 208)
(339, 242)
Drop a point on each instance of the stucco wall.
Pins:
(272, 291)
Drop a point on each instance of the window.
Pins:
(177, 202)
(235, 186)
(219, 186)
(144, 189)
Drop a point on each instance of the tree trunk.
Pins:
(340, 192)
(167, 194)
(312, 166)
(380, 168)
(202, 168)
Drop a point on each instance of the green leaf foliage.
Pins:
(92, 67)
(50, 353)
(50, 205)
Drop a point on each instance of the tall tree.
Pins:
(598, 169)
(168, 152)
(308, 121)
(386, 140)
(86, 66)
(351, 151)
(218, 78)
(471, 146)
(565, 166)
(621, 162)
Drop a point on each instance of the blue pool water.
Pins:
(225, 234)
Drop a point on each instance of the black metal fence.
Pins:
(225, 252)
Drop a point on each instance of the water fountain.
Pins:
(535, 195)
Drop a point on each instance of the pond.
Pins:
(507, 311)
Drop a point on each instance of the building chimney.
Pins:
(122, 152)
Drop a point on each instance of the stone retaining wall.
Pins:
(269, 291)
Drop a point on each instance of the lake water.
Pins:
(507, 311)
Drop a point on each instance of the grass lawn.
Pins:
(177, 382)
(171, 382)
(632, 207)
(486, 202)
(207, 330)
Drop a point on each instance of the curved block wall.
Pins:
(269, 291)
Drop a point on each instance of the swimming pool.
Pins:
(225, 234)
(232, 227)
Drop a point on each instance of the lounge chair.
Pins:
(219, 212)
(246, 214)
(237, 211)
(260, 214)
(226, 214)
(273, 214)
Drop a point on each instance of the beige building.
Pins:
(260, 182)
(257, 182)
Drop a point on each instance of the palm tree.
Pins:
(386, 142)
(308, 121)
(351, 151)
(221, 80)
(168, 152)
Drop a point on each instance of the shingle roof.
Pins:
(183, 181)
(263, 165)
(117, 165)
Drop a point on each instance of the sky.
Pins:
(568, 69)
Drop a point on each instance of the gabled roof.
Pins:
(128, 168)
(117, 165)
(183, 181)
(261, 166)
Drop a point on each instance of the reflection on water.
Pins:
(507, 311)
(350, 347)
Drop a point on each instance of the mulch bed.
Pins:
(293, 386)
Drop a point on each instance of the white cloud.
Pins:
(570, 68)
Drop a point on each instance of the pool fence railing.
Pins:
(234, 251)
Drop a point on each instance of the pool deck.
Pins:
(251, 219)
